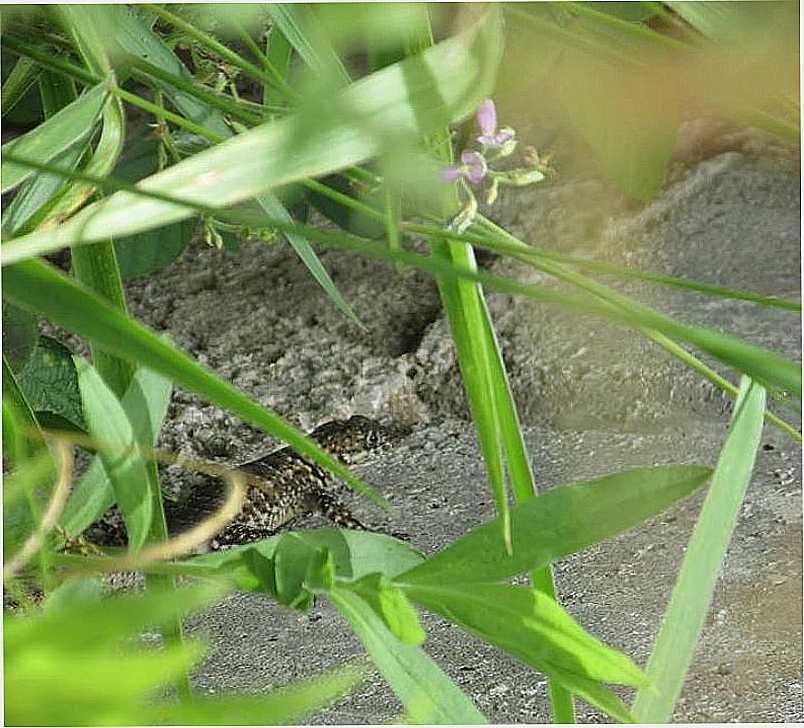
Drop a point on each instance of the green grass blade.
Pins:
(428, 695)
(692, 594)
(119, 452)
(71, 126)
(37, 287)
(560, 522)
(304, 32)
(145, 404)
(278, 55)
(17, 83)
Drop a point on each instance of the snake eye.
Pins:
(373, 438)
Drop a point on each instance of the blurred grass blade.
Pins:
(532, 627)
(304, 32)
(692, 594)
(286, 706)
(71, 126)
(119, 452)
(17, 83)
(278, 54)
(298, 146)
(560, 522)
(38, 287)
(427, 694)
(82, 626)
(145, 404)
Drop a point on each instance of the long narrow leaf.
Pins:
(119, 452)
(71, 126)
(145, 404)
(692, 594)
(534, 628)
(428, 695)
(558, 523)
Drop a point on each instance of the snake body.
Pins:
(281, 486)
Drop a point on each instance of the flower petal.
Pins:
(475, 166)
(487, 118)
(450, 174)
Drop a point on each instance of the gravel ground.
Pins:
(593, 398)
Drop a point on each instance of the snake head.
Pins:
(353, 440)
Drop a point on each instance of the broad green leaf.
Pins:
(50, 383)
(37, 286)
(428, 695)
(285, 706)
(291, 561)
(298, 146)
(692, 594)
(529, 625)
(355, 554)
(559, 522)
(391, 605)
(145, 404)
(72, 126)
(532, 627)
(119, 452)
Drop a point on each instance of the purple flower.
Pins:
(473, 166)
(487, 121)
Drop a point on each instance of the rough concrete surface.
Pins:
(594, 399)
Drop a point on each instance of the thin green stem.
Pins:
(162, 113)
(142, 69)
(278, 83)
(52, 62)
(210, 43)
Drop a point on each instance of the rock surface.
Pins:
(594, 398)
